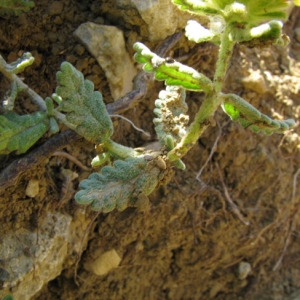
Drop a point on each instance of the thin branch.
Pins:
(10, 175)
(71, 158)
(131, 123)
(295, 186)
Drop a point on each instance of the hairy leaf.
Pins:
(119, 186)
(247, 12)
(172, 72)
(83, 106)
(19, 133)
(172, 120)
(248, 116)
(15, 7)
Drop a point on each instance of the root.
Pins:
(233, 206)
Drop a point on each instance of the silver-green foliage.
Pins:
(236, 107)
(19, 133)
(136, 173)
(121, 185)
(84, 108)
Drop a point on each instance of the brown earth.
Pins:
(232, 234)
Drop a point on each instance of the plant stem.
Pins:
(212, 100)
(119, 150)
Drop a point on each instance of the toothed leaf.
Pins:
(83, 106)
(248, 12)
(120, 185)
(243, 112)
(19, 133)
(172, 72)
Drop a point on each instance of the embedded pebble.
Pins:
(244, 270)
(255, 82)
(32, 188)
(104, 263)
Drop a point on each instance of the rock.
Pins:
(244, 270)
(161, 16)
(104, 263)
(28, 262)
(32, 188)
(107, 45)
(255, 82)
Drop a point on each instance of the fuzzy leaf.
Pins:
(248, 12)
(15, 7)
(197, 33)
(171, 102)
(172, 72)
(83, 106)
(120, 186)
(170, 130)
(243, 112)
(19, 133)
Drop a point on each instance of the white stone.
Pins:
(255, 82)
(104, 263)
(107, 45)
(31, 262)
(244, 270)
(32, 188)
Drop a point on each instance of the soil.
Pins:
(230, 234)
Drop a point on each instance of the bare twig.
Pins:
(286, 243)
(295, 186)
(131, 123)
(71, 158)
(10, 175)
(233, 206)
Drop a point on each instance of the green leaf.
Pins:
(8, 297)
(15, 7)
(198, 7)
(172, 72)
(243, 112)
(247, 12)
(120, 186)
(19, 133)
(83, 106)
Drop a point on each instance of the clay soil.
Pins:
(231, 234)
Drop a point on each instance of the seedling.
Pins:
(135, 173)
